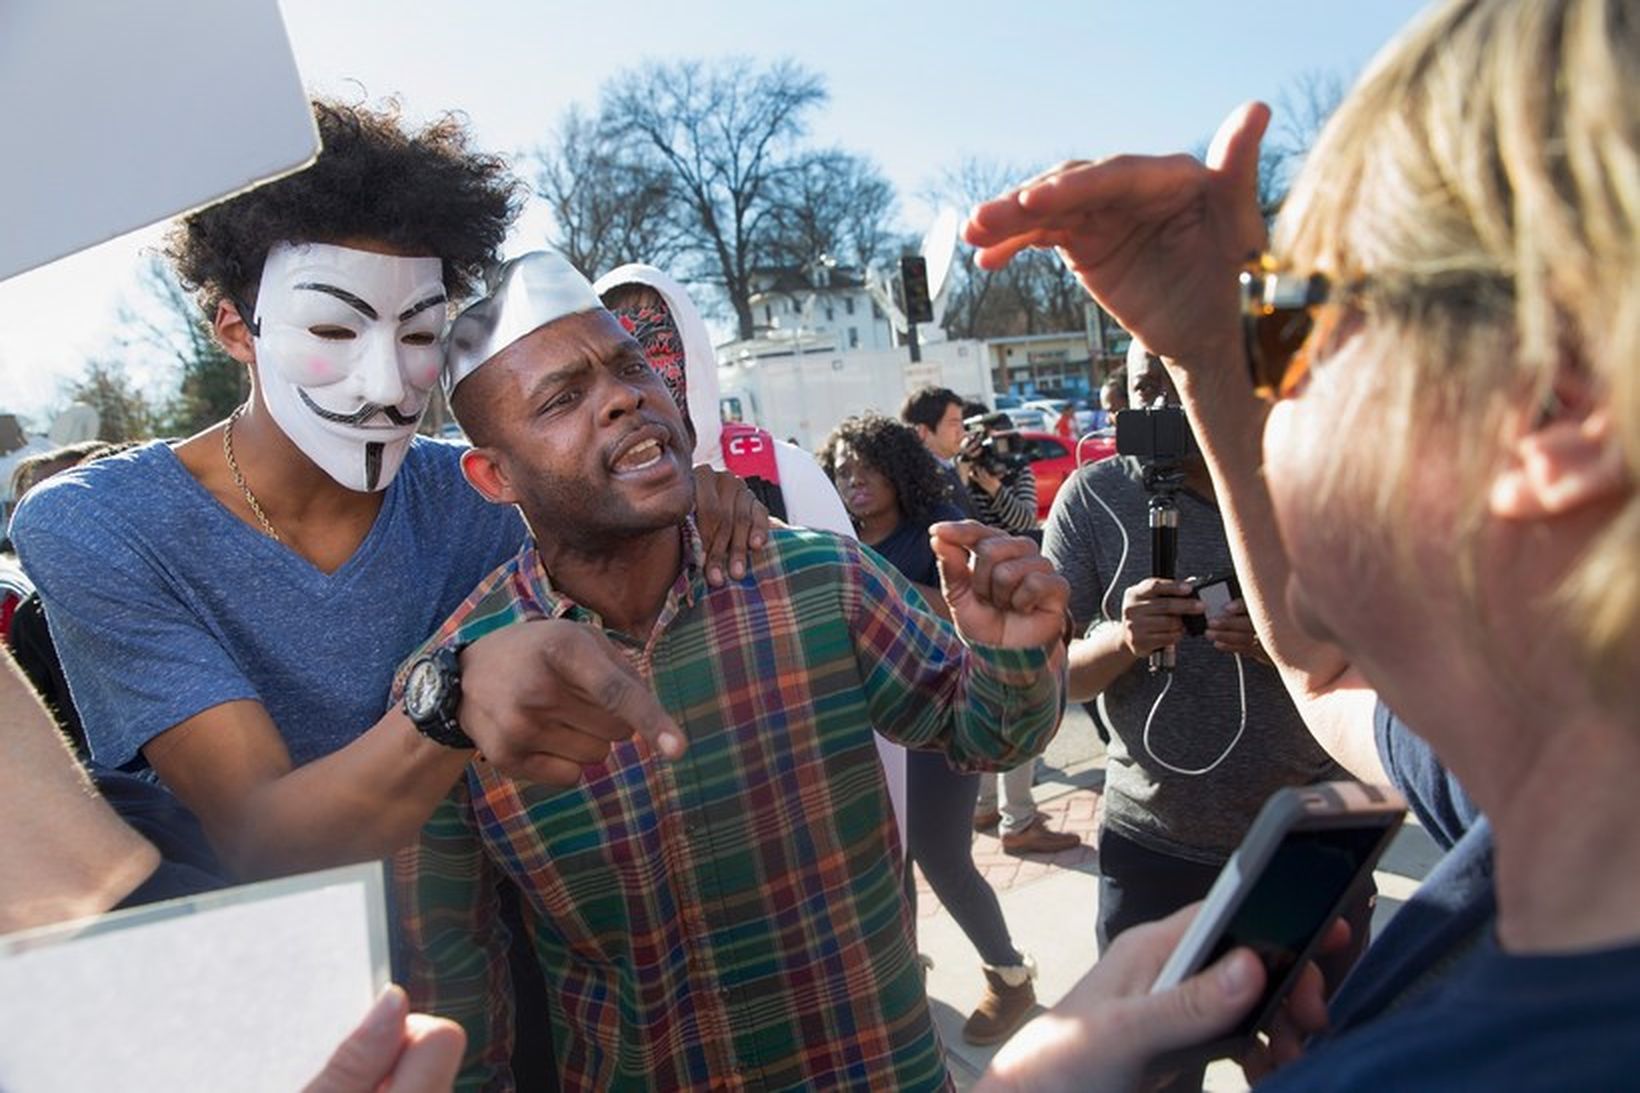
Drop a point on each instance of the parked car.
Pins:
(1052, 461)
(1026, 418)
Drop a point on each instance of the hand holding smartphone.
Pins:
(1215, 594)
(1310, 850)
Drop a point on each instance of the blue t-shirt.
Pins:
(1433, 792)
(1498, 1022)
(164, 604)
(1454, 907)
(1436, 1004)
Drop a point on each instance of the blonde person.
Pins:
(1462, 253)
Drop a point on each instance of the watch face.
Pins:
(422, 690)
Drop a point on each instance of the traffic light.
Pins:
(914, 280)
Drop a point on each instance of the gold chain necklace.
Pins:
(239, 479)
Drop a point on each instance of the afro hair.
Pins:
(893, 448)
(422, 192)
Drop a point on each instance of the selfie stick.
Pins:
(1164, 558)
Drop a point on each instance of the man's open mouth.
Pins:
(643, 449)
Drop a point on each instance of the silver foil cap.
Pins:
(521, 295)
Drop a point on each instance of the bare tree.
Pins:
(1033, 294)
(701, 167)
(610, 204)
(210, 383)
(831, 203)
(123, 412)
(1301, 110)
(1305, 104)
(725, 134)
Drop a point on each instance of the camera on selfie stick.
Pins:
(1159, 438)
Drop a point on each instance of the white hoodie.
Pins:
(811, 499)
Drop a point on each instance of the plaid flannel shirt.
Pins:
(733, 919)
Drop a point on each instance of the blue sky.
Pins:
(915, 86)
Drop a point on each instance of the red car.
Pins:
(1052, 461)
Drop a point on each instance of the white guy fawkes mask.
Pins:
(347, 352)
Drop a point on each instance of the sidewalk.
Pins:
(1051, 901)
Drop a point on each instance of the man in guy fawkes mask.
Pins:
(347, 343)
(229, 608)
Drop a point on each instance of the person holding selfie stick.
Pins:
(1457, 269)
(1195, 749)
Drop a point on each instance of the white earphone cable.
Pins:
(1241, 674)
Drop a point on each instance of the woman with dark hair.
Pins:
(894, 492)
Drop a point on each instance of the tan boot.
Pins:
(1009, 1000)
(1035, 838)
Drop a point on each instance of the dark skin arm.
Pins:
(733, 524)
(541, 700)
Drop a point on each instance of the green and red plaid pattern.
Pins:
(733, 919)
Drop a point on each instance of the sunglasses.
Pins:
(1278, 315)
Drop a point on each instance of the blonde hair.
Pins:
(1484, 180)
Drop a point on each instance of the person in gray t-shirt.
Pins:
(1187, 769)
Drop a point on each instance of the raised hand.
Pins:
(1000, 589)
(1156, 240)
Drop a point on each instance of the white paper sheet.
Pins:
(122, 114)
(244, 990)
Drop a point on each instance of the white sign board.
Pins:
(121, 114)
(246, 989)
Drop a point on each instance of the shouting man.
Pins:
(730, 911)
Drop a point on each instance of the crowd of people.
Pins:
(651, 766)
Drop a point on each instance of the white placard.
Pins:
(121, 114)
(246, 989)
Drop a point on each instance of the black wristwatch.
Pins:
(432, 693)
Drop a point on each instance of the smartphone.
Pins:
(1215, 594)
(1309, 852)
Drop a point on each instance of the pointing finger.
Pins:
(591, 665)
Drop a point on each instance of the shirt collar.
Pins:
(555, 604)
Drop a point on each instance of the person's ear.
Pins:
(1558, 467)
(232, 333)
(485, 473)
